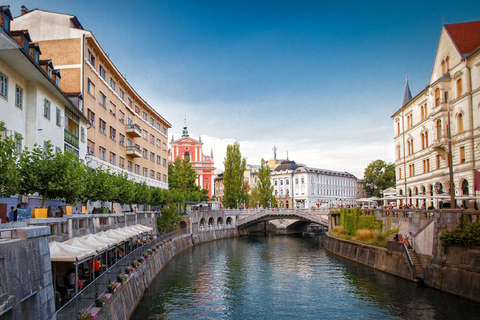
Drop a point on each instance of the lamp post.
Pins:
(450, 163)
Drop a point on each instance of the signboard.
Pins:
(24, 213)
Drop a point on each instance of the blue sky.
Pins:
(319, 79)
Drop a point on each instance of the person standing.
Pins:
(15, 213)
(11, 214)
(410, 239)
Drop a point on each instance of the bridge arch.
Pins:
(202, 222)
(211, 222)
(220, 221)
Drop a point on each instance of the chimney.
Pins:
(24, 10)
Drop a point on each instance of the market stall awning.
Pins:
(103, 240)
(131, 231)
(66, 253)
(109, 234)
(143, 228)
(82, 243)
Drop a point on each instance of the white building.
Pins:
(31, 103)
(449, 105)
(306, 187)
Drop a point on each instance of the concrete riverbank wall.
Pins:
(124, 302)
(457, 272)
(371, 256)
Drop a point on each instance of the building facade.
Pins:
(125, 133)
(447, 107)
(203, 165)
(299, 186)
(32, 105)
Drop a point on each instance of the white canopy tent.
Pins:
(82, 243)
(104, 240)
(60, 252)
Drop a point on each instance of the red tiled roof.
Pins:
(466, 35)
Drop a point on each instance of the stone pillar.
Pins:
(70, 228)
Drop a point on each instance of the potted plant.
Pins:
(129, 270)
(102, 301)
(141, 260)
(122, 278)
(113, 286)
(86, 314)
(135, 264)
(149, 252)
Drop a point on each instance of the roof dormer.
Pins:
(35, 52)
(22, 38)
(5, 18)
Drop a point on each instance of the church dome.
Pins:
(287, 165)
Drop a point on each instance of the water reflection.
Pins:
(280, 277)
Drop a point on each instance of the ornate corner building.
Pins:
(449, 106)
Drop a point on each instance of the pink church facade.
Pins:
(186, 146)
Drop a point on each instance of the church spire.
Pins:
(407, 95)
(185, 130)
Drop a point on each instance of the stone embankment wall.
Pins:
(26, 290)
(375, 257)
(125, 301)
(457, 272)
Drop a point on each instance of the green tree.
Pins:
(379, 176)
(181, 176)
(124, 189)
(235, 189)
(99, 185)
(53, 175)
(266, 198)
(9, 177)
(169, 219)
(142, 194)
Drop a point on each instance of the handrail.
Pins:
(409, 259)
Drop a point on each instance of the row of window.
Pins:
(426, 164)
(424, 136)
(423, 107)
(112, 159)
(102, 126)
(121, 93)
(4, 91)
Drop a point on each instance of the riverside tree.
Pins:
(266, 199)
(9, 177)
(53, 175)
(235, 189)
(379, 176)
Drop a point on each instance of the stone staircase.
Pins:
(417, 265)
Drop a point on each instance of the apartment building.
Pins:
(447, 109)
(32, 106)
(126, 134)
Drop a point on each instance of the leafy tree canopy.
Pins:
(235, 189)
(379, 176)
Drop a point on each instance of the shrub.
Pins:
(467, 235)
(366, 235)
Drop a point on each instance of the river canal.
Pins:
(287, 277)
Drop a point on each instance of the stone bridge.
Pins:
(308, 216)
(201, 220)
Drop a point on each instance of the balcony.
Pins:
(134, 151)
(134, 130)
(71, 138)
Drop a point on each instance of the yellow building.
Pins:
(126, 133)
(448, 106)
